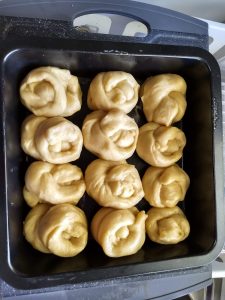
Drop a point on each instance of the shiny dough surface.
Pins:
(119, 232)
(165, 187)
(159, 145)
(54, 184)
(167, 225)
(50, 92)
(110, 135)
(60, 229)
(113, 184)
(55, 140)
(163, 98)
(114, 89)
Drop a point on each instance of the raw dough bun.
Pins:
(50, 92)
(119, 232)
(160, 146)
(55, 140)
(64, 230)
(114, 89)
(165, 187)
(110, 135)
(113, 184)
(163, 98)
(60, 229)
(54, 184)
(31, 225)
(167, 225)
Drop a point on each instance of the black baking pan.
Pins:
(24, 267)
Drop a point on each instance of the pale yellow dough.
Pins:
(60, 229)
(110, 135)
(159, 145)
(63, 229)
(55, 140)
(163, 98)
(119, 232)
(50, 92)
(28, 130)
(54, 184)
(113, 184)
(114, 89)
(31, 225)
(167, 225)
(165, 187)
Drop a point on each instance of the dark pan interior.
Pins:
(197, 124)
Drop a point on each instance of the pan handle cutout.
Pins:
(113, 24)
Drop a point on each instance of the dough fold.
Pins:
(31, 225)
(119, 232)
(110, 135)
(163, 98)
(160, 146)
(55, 140)
(165, 187)
(114, 89)
(54, 184)
(113, 184)
(50, 92)
(167, 225)
(60, 229)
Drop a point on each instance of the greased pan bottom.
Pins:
(24, 267)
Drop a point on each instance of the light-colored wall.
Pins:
(207, 9)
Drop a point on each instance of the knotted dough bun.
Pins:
(163, 98)
(55, 140)
(159, 145)
(61, 229)
(165, 187)
(114, 89)
(110, 135)
(119, 232)
(113, 184)
(54, 184)
(167, 225)
(50, 92)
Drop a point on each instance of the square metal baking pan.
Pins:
(24, 267)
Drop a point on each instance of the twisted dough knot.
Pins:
(115, 89)
(165, 187)
(167, 225)
(160, 146)
(119, 232)
(110, 135)
(113, 184)
(55, 140)
(50, 91)
(60, 229)
(163, 98)
(54, 184)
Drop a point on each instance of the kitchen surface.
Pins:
(204, 281)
